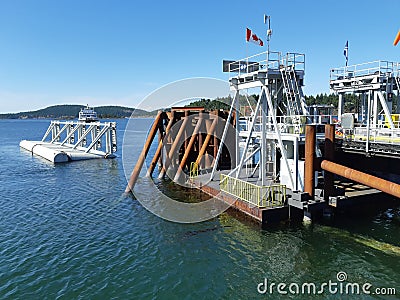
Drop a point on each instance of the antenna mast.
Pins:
(269, 30)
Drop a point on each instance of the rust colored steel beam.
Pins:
(309, 169)
(206, 140)
(189, 148)
(143, 154)
(383, 185)
(200, 142)
(329, 188)
(177, 140)
(157, 155)
(186, 131)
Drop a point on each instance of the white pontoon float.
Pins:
(75, 140)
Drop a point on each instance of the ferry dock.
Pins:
(286, 159)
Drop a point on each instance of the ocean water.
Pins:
(68, 232)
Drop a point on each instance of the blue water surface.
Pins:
(68, 231)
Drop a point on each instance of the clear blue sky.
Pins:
(116, 52)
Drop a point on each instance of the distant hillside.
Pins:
(72, 111)
(224, 102)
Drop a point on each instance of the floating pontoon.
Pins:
(68, 141)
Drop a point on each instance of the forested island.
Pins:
(351, 102)
(67, 112)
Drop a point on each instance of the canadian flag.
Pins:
(252, 37)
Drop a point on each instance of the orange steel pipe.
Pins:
(174, 146)
(157, 155)
(143, 154)
(329, 154)
(383, 185)
(309, 169)
(189, 147)
(186, 132)
(206, 141)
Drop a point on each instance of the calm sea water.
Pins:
(68, 232)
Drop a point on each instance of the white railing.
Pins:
(291, 124)
(364, 69)
(295, 60)
(271, 60)
(397, 69)
(262, 61)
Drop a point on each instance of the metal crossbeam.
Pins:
(64, 133)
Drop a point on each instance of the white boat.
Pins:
(88, 114)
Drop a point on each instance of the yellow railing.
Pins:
(194, 170)
(261, 196)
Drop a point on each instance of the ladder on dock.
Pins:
(397, 79)
(291, 90)
(289, 78)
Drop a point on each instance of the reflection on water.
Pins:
(369, 242)
(180, 193)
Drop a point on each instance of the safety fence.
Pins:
(260, 196)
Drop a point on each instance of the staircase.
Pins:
(291, 91)
(295, 105)
(294, 93)
(397, 78)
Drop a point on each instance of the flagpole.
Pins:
(346, 54)
(247, 55)
(247, 51)
(269, 33)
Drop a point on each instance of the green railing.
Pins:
(261, 196)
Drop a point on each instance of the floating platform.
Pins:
(57, 153)
(66, 141)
